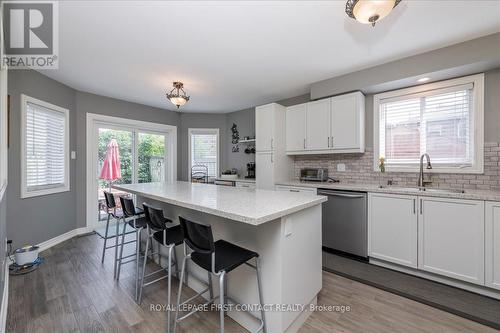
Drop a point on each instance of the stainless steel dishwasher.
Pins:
(345, 224)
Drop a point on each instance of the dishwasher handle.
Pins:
(342, 195)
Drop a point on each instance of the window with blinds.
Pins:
(45, 153)
(441, 122)
(204, 149)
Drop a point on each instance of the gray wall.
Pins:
(199, 120)
(37, 219)
(245, 121)
(90, 103)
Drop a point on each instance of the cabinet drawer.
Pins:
(296, 189)
(245, 185)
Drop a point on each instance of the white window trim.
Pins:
(478, 107)
(203, 131)
(3, 132)
(66, 186)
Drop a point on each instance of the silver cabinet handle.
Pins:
(272, 161)
(294, 191)
(414, 206)
(332, 142)
(421, 208)
(328, 140)
(272, 143)
(304, 143)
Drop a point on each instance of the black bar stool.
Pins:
(217, 258)
(117, 214)
(138, 223)
(166, 236)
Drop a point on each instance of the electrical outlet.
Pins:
(341, 167)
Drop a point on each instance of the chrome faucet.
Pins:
(421, 182)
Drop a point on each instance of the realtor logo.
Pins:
(31, 34)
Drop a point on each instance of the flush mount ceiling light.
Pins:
(369, 11)
(177, 95)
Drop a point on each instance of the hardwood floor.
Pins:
(73, 292)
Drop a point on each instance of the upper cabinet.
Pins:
(331, 125)
(296, 127)
(264, 129)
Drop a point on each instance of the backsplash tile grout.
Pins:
(359, 170)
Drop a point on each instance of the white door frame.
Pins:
(94, 121)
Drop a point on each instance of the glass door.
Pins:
(125, 141)
(151, 157)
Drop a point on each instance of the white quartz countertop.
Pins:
(240, 204)
(441, 193)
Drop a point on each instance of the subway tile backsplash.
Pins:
(359, 169)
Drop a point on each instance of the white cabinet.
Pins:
(264, 170)
(392, 228)
(451, 238)
(264, 127)
(296, 127)
(245, 185)
(492, 245)
(331, 125)
(318, 125)
(347, 122)
(296, 189)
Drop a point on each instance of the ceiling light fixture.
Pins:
(423, 79)
(369, 11)
(177, 95)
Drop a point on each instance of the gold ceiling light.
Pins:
(178, 96)
(369, 11)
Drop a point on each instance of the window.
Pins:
(45, 148)
(204, 150)
(443, 119)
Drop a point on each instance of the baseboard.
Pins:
(5, 298)
(62, 238)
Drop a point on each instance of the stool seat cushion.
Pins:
(174, 235)
(227, 257)
(140, 223)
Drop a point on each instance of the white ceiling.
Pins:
(232, 55)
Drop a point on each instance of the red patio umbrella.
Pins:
(111, 167)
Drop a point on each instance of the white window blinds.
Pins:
(204, 150)
(437, 122)
(45, 148)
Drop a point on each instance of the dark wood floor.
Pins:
(73, 292)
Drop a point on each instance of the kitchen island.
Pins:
(284, 228)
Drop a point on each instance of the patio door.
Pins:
(146, 155)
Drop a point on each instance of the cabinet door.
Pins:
(346, 121)
(392, 228)
(318, 125)
(264, 170)
(264, 125)
(451, 238)
(245, 185)
(492, 245)
(296, 127)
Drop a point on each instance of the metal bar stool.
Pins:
(217, 258)
(113, 212)
(170, 237)
(138, 223)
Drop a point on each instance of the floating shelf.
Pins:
(247, 141)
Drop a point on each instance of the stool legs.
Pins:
(105, 240)
(222, 300)
(181, 279)
(121, 250)
(116, 247)
(259, 285)
(170, 250)
(137, 256)
(144, 268)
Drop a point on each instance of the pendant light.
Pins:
(178, 96)
(369, 11)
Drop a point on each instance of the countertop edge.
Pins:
(230, 216)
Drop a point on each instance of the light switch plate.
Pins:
(341, 167)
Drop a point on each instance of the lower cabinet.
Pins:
(438, 235)
(392, 228)
(245, 185)
(492, 245)
(451, 238)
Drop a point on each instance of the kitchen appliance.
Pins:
(26, 255)
(345, 222)
(314, 174)
(250, 170)
(224, 182)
